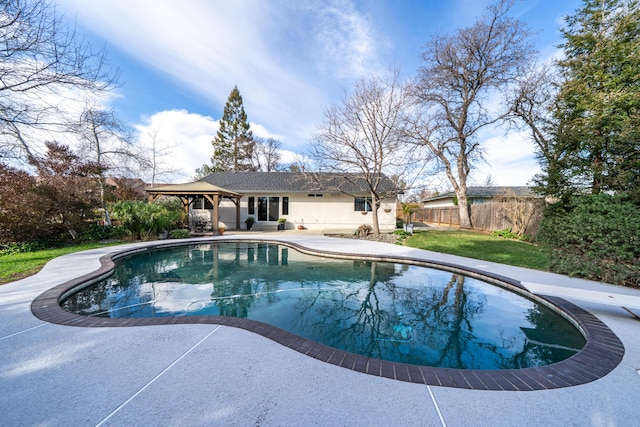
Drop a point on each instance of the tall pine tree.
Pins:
(233, 144)
(598, 108)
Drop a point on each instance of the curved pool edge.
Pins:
(602, 352)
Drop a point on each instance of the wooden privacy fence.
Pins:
(484, 217)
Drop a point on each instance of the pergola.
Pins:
(190, 191)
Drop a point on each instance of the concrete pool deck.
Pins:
(202, 374)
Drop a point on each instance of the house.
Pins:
(315, 201)
(478, 196)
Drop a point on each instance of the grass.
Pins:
(481, 246)
(18, 266)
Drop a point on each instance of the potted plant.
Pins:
(220, 231)
(249, 221)
(281, 223)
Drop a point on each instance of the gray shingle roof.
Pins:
(294, 182)
(487, 193)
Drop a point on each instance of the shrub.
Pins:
(17, 248)
(142, 220)
(180, 233)
(364, 230)
(98, 232)
(596, 237)
(508, 234)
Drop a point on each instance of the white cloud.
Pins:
(187, 138)
(347, 45)
(209, 47)
(511, 158)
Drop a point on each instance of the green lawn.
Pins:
(481, 246)
(17, 266)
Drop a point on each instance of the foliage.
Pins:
(250, 220)
(19, 248)
(481, 246)
(460, 73)
(596, 237)
(282, 220)
(508, 234)
(55, 207)
(99, 232)
(409, 209)
(142, 220)
(122, 188)
(20, 216)
(598, 106)
(233, 145)
(180, 233)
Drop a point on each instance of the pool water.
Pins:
(390, 311)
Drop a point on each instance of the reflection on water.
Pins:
(388, 311)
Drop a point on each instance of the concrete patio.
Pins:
(203, 375)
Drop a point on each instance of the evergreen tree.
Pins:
(233, 144)
(598, 106)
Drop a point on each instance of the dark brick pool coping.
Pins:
(602, 352)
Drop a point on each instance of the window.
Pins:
(251, 206)
(285, 206)
(201, 203)
(362, 204)
(314, 195)
(268, 208)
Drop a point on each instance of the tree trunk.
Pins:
(103, 203)
(464, 212)
(375, 202)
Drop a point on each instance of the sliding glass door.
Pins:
(268, 208)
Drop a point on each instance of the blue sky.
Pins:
(289, 59)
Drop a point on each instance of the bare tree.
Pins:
(42, 65)
(521, 211)
(107, 141)
(364, 135)
(158, 151)
(460, 75)
(533, 103)
(266, 154)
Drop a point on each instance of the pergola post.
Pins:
(216, 213)
(237, 203)
(185, 205)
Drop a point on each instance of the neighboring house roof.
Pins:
(295, 182)
(486, 193)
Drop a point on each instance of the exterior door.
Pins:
(268, 208)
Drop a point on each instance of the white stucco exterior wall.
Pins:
(332, 211)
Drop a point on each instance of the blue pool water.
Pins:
(389, 311)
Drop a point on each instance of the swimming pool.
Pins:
(602, 352)
(395, 312)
